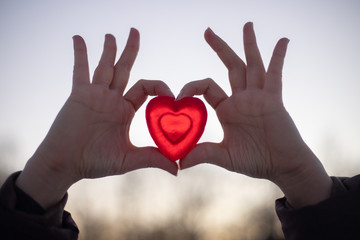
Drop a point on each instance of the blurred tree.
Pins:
(264, 224)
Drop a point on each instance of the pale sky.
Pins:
(321, 71)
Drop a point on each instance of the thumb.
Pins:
(146, 157)
(211, 153)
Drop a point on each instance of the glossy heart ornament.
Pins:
(176, 126)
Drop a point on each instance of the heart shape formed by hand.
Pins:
(176, 126)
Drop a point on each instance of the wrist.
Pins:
(309, 184)
(43, 182)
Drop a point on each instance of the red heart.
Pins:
(176, 126)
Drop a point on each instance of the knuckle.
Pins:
(141, 82)
(209, 81)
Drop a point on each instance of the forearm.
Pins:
(309, 185)
(42, 181)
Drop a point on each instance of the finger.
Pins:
(255, 67)
(138, 93)
(148, 157)
(126, 61)
(212, 92)
(211, 153)
(273, 82)
(104, 72)
(81, 67)
(235, 66)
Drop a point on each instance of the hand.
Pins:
(260, 138)
(90, 136)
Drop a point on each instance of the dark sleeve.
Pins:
(337, 217)
(23, 218)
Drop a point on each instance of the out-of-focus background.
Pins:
(321, 92)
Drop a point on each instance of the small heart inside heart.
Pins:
(175, 126)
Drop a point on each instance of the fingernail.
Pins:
(110, 37)
(133, 30)
(175, 172)
(210, 30)
(170, 94)
(179, 96)
(134, 34)
(75, 36)
(76, 39)
(181, 165)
